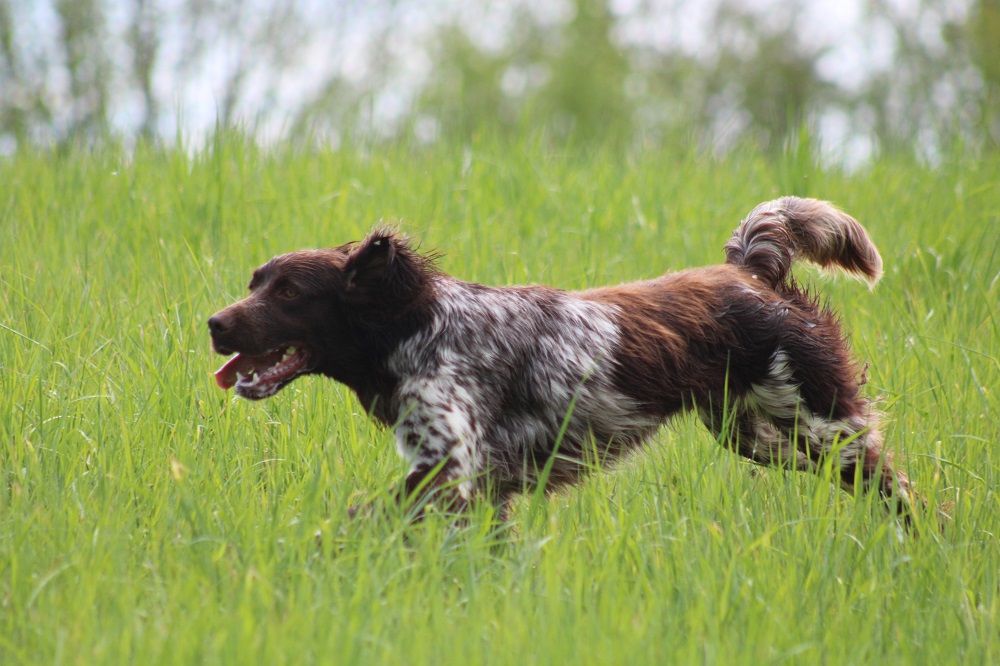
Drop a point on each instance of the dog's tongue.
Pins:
(244, 364)
(225, 376)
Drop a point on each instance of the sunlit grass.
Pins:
(145, 516)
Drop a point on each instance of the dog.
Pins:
(493, 390)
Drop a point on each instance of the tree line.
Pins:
(84, 70)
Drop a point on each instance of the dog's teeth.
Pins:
(290, 351)
(240, 376)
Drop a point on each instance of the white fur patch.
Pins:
(778, 397)
(491, 380)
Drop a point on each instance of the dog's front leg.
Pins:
(424, 484)
(438, 436)
(438, 484)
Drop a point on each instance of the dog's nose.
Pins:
(217, 325)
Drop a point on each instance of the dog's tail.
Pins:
(775, 233)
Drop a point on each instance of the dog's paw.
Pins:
(363, 510)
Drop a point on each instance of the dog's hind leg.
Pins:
(805, 444)
(865, 465)
(771, 424)
(745, 430)
(851, 432)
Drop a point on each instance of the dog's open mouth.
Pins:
(261, 376)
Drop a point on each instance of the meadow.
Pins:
(148, 517)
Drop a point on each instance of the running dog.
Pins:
(488, 386)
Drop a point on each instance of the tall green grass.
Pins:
(147, 517)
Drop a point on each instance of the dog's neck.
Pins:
(376, 339)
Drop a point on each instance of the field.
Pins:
(148, 517)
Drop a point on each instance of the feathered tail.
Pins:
(778, 232)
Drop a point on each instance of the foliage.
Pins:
(80, 70)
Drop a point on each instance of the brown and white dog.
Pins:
(486, 385)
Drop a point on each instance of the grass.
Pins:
(147, 517)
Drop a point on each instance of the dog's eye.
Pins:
(288, 292)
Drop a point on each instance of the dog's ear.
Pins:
(385, 269)
(373, 258)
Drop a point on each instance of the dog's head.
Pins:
(331, 311)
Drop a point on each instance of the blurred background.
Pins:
(859, 77)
